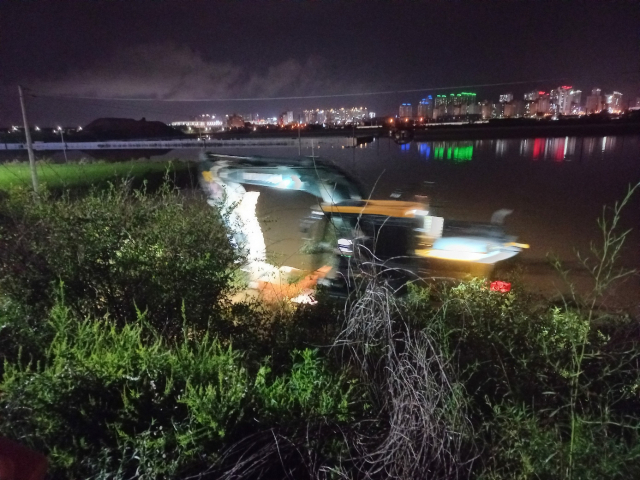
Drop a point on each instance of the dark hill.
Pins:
(128, 129)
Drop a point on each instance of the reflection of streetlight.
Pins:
(64, 146)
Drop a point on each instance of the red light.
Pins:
(540, 93)
(566, 88)
(498, 286)
(538, 148)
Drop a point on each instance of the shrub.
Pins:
(117, 251)
(125, 402)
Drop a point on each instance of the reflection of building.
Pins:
(406, 110)
(453, 151)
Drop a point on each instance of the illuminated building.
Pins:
(614, 102)
(506, 97)
(532, 96)
(486, 110)
(509, 110)
(474, 109)
(497, 110)
(440, 111)
(235, 121)
(406, 110)
(286, 118)
(563, 99)
(337, 115)
(467, 98)
(576, 100)
(425, 107)
(543, 104)
(250, 117)
(203, 122)
(441, 100)
(595, 101)
(513, 109)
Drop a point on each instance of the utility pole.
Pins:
(64, 145)
(27, 133)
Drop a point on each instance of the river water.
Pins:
(556, 188)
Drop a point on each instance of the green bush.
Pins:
(116, 252)
(550, 394)
(123, 402)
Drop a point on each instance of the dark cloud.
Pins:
(175, 72)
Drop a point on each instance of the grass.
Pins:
(77, 174)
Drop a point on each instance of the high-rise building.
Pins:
(357, 114)
(286, 118)
(486, 110)
(595, 101)
(474, 109)
(543, 105)
(425, 108)
(406, 111)
(468, 98)
(564, 99)
(440, 111)
(532, 96)
(513, 109)
(440, 100)
(509, 109)
(576, 102)
(614, 102)
(506, 97)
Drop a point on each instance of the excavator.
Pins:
(356, 236)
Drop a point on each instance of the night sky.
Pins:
(189, 50)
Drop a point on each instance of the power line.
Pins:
(297, 97)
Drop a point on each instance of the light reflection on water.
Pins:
(554, 149)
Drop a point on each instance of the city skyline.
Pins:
(169, 54)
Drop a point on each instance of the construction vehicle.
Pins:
(398, 239)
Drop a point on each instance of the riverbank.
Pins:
(56, 175)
